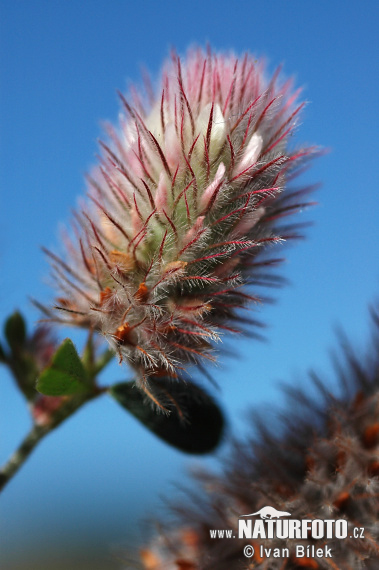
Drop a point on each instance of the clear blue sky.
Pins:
(61, 63)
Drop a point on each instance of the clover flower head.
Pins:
(183, 202)
(323, 465)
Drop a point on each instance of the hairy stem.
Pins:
(37, 433)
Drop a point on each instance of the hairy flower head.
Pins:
(186, 195)
(324, 465)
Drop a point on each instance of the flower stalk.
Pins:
(39, 432)
(38, 357)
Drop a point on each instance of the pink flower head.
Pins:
(184, 200)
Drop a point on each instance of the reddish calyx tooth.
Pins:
(63, 302)
(373, 469)
(105, 295)
(371, 436)
(122, 334)
(142, 293)
(123, 260)
(342, 500)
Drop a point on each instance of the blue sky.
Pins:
(61, 63)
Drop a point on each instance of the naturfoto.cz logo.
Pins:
(274, 524)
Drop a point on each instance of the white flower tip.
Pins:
(172, 146)
(246, 224)
(209, 191)
(192, 232)
(218, 131)
(161, 193)
(220, 172)
(251, 154)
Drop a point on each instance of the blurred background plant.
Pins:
(318, 461)
(59, 65)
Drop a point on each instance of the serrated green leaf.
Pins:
(198, 432)
(15, 331)
(65, 375)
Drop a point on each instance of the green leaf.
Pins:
(15, 331)
(197, 428)
(3, 357)
(25, 372)
(65, 375)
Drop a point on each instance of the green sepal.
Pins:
(65, 375)
(196, 429)
(15, 331)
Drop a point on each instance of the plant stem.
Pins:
(38, 432)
